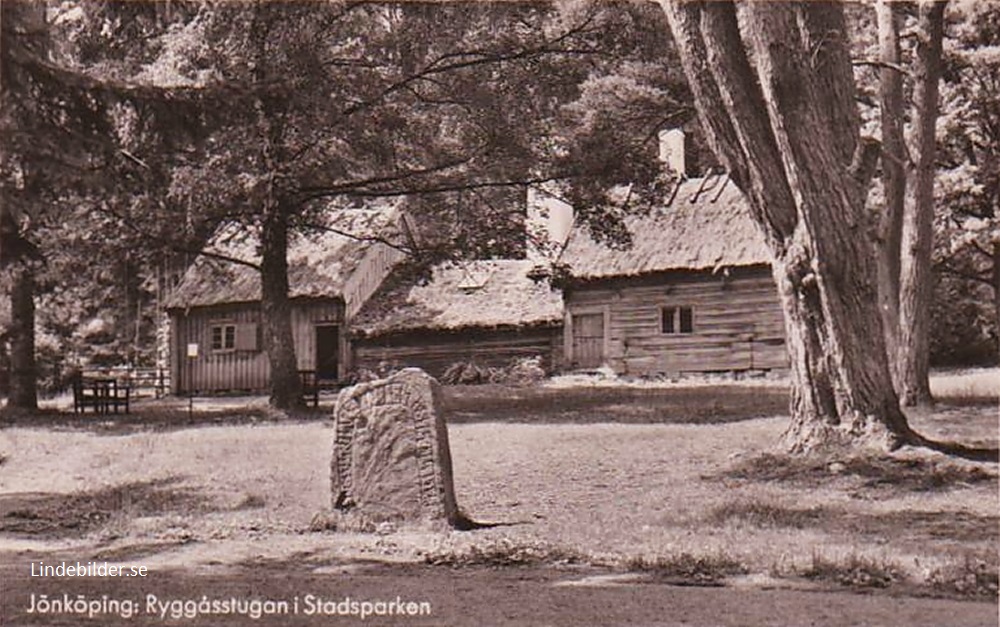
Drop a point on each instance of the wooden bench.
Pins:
(102, 395)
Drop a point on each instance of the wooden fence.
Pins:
(153, 382)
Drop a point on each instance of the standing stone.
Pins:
(391, 459)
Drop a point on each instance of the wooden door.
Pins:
(327, 351)
(588, 340)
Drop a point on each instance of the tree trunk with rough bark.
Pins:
(23, 369)
(276, 310)
(996, 289)
(915, 289)
(890, 226)
(773, 87)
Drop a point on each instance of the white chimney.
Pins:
(549, 221)
(672, 150)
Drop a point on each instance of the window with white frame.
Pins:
(223, 337)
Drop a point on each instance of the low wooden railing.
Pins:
(153, 382)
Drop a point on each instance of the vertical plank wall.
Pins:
(244, 370)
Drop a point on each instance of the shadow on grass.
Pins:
(62, 515)
(462, 404)
(134, 552)
(155, 418)
(868, 474)
(694, 405)
(911, 525)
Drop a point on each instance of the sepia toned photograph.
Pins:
(452, 313)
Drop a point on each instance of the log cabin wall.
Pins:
(434, 351)
(242, 367)
(731, 323)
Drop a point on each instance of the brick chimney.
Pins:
(549, 221)
(672, 150)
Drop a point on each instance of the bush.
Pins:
(695, 569)
(505, 552)
(383, 370)
(525, 370)
(963, 324)
(977, 576)
(467, 373)
(856, 571)
(521, 371)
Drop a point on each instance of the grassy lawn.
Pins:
(630, 405)
(679, 483)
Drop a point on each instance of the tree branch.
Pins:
(326, 191)
(376, 239)
(442, 187)
(881, 65)
(969, 275)
(173, 245)
(732, 109)
(441, 64)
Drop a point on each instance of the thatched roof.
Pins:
(490, 294)
(319, 262)
(695, 231)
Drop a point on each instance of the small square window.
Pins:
(676, 320)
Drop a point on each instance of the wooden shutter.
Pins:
(246, 337)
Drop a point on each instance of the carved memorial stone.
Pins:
(391, 460)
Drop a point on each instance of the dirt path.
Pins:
(467, 596)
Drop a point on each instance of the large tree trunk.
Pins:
(779, 111)
(996, 291)
(23, 370)
(276, 310)
(915, 290)
(890, 226)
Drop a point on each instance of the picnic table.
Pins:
(102, 395)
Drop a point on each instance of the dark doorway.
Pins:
(327, 351)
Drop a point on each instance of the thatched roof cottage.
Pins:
(215, 311)
(487, 312)
(693, 294)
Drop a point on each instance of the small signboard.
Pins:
(192, 351)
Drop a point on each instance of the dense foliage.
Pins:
(133, 130)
